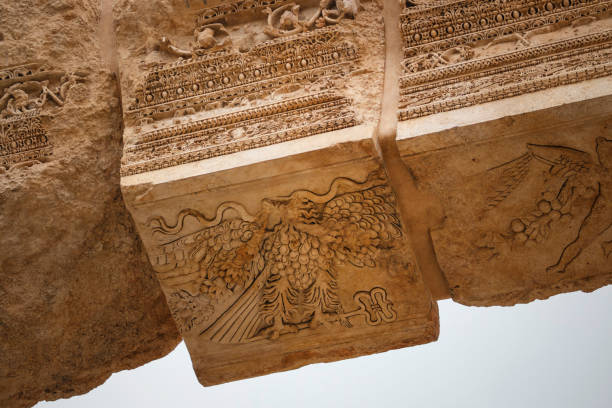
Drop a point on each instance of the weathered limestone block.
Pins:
(510, 103)
(251, 173)
(284, 263)
(527, 202)
(77, 298)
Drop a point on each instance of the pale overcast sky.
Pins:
(555, 353)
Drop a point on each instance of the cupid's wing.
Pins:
(507, 178)
(563, 162)
(362, 222)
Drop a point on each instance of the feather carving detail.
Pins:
(278, 269)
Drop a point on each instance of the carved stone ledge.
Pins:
(249, 170)
(294, 267)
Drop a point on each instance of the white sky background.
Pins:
(555, 353)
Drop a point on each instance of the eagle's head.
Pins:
(296, 209)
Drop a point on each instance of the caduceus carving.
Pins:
(284, 261)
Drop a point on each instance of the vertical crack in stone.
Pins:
(419, 210)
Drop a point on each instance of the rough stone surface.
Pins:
(518, 193)
(77, 297)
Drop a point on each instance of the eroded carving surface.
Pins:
(573, 179)
(283, 263)
(25, 94)
(301, 71)
(463, 53)
(533, 223)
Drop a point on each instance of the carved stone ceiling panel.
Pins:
(527, 203)
(278, 274)
(284, 227)
(250, 170)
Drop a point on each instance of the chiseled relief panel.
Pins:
(529, 210)
(29, 95)
(287, 271)
(282, 261)
(202, 83)
(464, 53)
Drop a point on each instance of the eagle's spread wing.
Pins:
(219, 262)
(214, 260)
(361, 223)
(242, 320)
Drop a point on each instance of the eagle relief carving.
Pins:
(239, 278)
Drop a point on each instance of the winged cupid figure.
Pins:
(578, 171)
(279, 269)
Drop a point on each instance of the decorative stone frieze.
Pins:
(26, 91)
(249, 168)
(464, 53)
(235, 132)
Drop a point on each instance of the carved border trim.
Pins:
(555, 18)
(467, 67)
(254, 89)
(510, 90)
(288, 108)
(195, 84)
(466, 17)
(279, 108)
